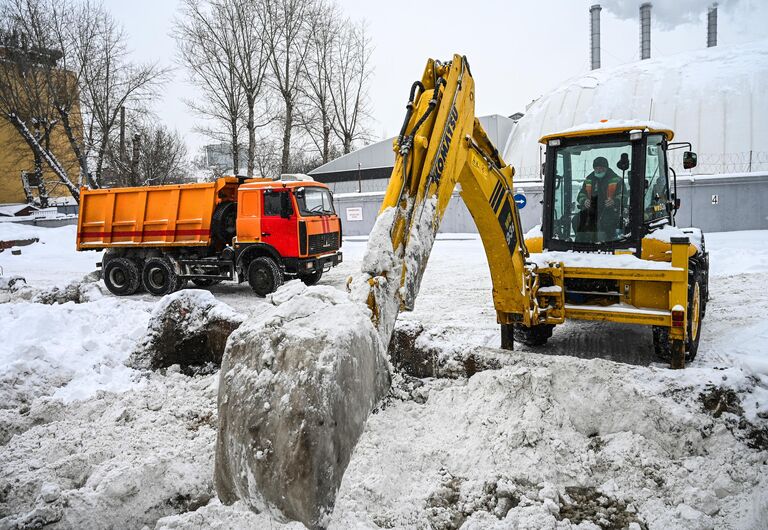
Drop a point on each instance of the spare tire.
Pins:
(224, 222)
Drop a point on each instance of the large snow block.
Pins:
(189, 328)
(296, 386)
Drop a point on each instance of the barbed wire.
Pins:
(707, 164)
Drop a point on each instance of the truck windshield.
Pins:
(592, 192)
(315, 201)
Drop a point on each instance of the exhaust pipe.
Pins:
(712, 26)
(645, 30)
(594, 24)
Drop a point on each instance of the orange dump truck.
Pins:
(262, 231)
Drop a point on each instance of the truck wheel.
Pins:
(159, 277)
(311, 278)
(533, 336)
(224, 221)
(121, 276)
(264, 276)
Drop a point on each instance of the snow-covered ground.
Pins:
(596, 434)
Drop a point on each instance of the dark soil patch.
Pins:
(588, 504)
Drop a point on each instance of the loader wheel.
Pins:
(695, 313)
(159, 277)
(264, 276)
(533, 336)
(224, 221)
(121, 276)
(663, 346)
(311, 278)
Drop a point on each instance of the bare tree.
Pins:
(349, 83)
(108, 80)
(288, 26)
(207, 47)
(31, 82)
(320, 70)
(66, 62)
(252, 63)
(162, 156)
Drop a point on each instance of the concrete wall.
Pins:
(741, 204)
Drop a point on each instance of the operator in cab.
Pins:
(602, 202)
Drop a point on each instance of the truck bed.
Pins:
(153, 216)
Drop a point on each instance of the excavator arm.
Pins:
(440, 145)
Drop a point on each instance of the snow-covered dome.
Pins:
(716, 98)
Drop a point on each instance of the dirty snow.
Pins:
(596, 432)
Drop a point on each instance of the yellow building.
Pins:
(17, 159)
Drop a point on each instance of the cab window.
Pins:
(656, 195)
(592, 192)
(272, 205)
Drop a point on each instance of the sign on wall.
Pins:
(355, 214)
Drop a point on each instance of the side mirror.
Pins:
(689, 159)
(623, 163)
(285, 205)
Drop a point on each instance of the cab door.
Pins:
(249, 216)
(279, 226)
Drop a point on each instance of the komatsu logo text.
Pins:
(450, 126)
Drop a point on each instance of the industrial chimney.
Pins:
(645, 30)
(594, 24)
(712, 26)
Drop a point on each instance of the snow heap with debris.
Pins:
(533, 441)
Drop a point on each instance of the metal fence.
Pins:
(714, 203)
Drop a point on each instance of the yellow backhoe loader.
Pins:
(607, 249)
(294, 397)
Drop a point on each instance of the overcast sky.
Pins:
(517, 50)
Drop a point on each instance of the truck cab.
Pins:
(293, 219)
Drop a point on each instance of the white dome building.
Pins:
(716, 98)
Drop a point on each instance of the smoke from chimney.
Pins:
(712, 26)
(594, 25)
(645, 30)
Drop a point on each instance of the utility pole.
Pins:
(135, 159)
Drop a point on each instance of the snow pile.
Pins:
(597, 261)
(552, 438)
(296, 386)
(123, 459)
(51, 262)
(188, 327)
(641, 125)
(743, 252)
(69, 351)
(709, 97)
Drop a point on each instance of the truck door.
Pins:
(279, 226)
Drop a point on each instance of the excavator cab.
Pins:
(607, 188)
